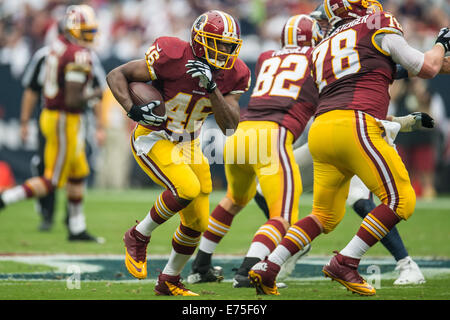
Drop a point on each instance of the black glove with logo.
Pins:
(144, 114)
(444, 38)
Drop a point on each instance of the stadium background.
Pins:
(126, 30)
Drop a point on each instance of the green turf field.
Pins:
(34, 265)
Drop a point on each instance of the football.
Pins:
(142, 93)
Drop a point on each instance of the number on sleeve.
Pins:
(51, 76)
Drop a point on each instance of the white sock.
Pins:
(207, 245)
(77, 221)
(176, 263)
(258, 250)
(146, 226)
(13, 195)
(356, 248)
(279, 255)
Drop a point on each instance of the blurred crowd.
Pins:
(128, 27)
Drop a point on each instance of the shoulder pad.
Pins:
(172, 47)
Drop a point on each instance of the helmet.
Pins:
(319, 13)
(321, 17)
(216, 37)
(338, 10)
(301, 30)
(80, 23)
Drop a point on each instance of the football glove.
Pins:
(197, 68)
(144, 114)
(444, 38)
(414, 121)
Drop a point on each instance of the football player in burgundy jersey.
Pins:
(353, 68)
(282, 102)
(68, 69)
(359, 197)
(195, 79)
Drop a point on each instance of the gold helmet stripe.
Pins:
(289, 32)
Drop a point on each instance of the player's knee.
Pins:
(283, 221)
(407, 204)
(328, 221)
(190, 190)
(199, 224)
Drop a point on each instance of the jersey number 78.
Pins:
(344, 57)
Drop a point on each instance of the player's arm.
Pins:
(75, 78)
(226, 110)
(413, 121)
(424, 65)
(32, 89)
(30, 98)
(118, 79)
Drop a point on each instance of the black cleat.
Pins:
(45, 226)
(85, 236)
(214, 274)
(240, 281)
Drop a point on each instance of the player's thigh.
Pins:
(239, 166)
(61, 132)
(241, 183)
(327, 136)
(281, 184)
(196, 214)
(330, 193)
(79, 166)
(381, 169)
(166, 170)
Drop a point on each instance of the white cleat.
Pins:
(288, 267)
(409, 272)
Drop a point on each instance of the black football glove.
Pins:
(444, 38)
(414, 121)
(144, 114)
(197, 68)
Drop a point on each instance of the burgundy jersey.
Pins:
(284, 91)
(187, 104)
(65, 62)
(350, 69)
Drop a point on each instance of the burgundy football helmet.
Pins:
(216, 37)
(301, 30)
(338, 10)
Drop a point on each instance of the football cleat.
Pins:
(85, 236)
(263, 275)
(409, 272)
(344, 270)
(240, 281)
(136, 253)
(171, 286)
(214, 274)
